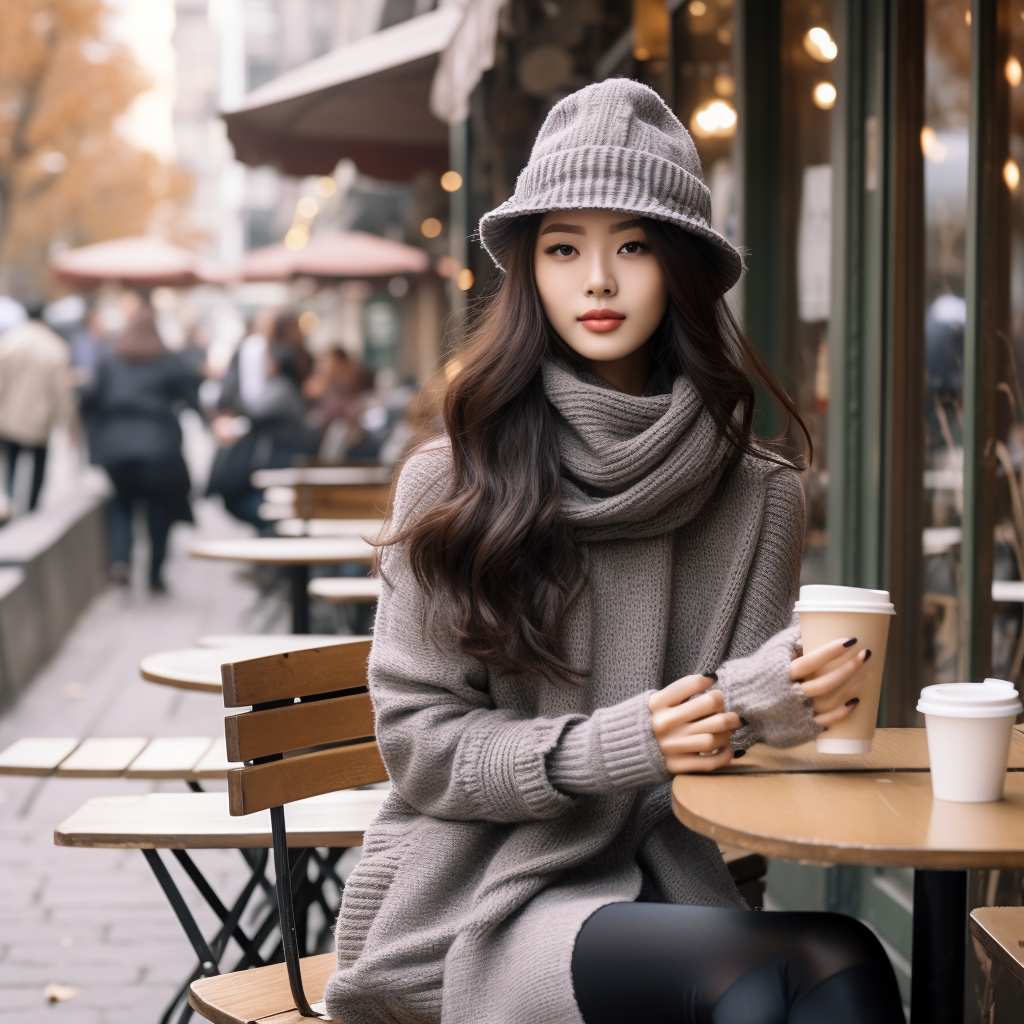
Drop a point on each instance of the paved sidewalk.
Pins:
(96, 919)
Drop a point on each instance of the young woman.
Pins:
(597, 542)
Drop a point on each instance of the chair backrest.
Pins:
(341, 501)
(309, 731)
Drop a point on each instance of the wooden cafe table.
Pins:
(296, 554)
(871, 809)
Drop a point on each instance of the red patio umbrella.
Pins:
(355, 254)
(141, 262)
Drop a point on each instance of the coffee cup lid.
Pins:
(994, 698)
(821, 597)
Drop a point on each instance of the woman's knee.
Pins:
(837, 942)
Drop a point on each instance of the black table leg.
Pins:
(940, 936)
(300, 598)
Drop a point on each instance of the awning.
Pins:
(337, 254)
(368, 101)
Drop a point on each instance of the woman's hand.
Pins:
(835, 693)
(693, 735)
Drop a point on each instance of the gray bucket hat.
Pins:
(614, 145)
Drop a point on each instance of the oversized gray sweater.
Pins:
(519, 807)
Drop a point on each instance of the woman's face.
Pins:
(600, 285)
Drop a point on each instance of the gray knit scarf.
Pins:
(632, 467)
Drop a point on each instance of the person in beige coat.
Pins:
(35, 392)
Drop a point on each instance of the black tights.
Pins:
(658, 963)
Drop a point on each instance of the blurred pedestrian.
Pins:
(287, 333)
(87, 345)
(270, 433)
(334, 389)
(133, 400)
(35, 392)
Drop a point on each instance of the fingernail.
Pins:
(850, 703)
(850, 642)
(867, 654)
(743, 721)
(824, 728)
(713, 676)
(738, 753)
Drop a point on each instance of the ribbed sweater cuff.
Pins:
(759, 690)
(611, 751)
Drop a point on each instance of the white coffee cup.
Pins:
(828, 613)
(969, 728)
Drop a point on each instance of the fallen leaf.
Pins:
(59, 993)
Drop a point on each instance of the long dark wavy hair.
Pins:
(497, 563)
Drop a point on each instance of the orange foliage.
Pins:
(67, 177)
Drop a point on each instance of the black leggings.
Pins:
(658, 963)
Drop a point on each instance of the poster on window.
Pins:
(814, 244)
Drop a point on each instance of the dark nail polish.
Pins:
(738, 753)
(867, 654)
(824, 728)
(850, 642)
(712, 675)
(743, 721)
(850, 703)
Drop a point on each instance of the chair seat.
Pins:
(195, 821)
(1001, 931)
(262, 994)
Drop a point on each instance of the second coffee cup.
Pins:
(828, 613)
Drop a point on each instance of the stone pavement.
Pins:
(96, 919)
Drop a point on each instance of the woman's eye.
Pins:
(562, 250)
(633, 247)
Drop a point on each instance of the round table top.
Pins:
(884, 819)
(343, 589)
(286, 550)
(198, 668)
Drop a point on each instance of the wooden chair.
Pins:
(308, 732)
(1001, 931)
(341, 501)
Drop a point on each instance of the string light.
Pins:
(933, 148)
(297, 237)
(451, 181)
(820, 45)
(714, 119)
(465, 279)
(307, 207)
(1011, 174)
(326, 186)
(824, 95)
(1013, 71)
(430, 228)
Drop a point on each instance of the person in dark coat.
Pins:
(133, 401)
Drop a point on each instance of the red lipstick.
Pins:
(601, 320)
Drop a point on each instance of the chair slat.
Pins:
(36, 755)
(257, 994)
(169, 757)
(255, 734)
(295, 674)
(257, 787)
(347, 501)
(103, 757)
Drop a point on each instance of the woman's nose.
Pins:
(599, 283)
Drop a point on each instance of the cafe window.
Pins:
(945, 144)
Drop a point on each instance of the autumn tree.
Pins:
(67, 176)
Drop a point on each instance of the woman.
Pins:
(599, 541)
(132, 405)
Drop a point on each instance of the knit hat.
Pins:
(614, 145)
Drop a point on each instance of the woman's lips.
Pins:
(601, 320)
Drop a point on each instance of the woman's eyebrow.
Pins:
(625, 225)
(571, 229)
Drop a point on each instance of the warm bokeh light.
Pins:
(451, 181)
(967, 17)
(430, 228)
(446, 265)
(297, 237)
(309, 321)
(714, 119)
(820, 45)
(1013, 71)
(465, 279)
(652, 29)
(724, 85)
(933, 148)
(824, 95)
(307, 207)
(326, 186)
(697, 8)
(1011, 174)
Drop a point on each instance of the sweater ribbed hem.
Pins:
(612, 751)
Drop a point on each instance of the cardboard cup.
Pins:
(969, 729)
(828, 613)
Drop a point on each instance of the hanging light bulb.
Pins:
(714, 119)
(820, 45)
(824, 95)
